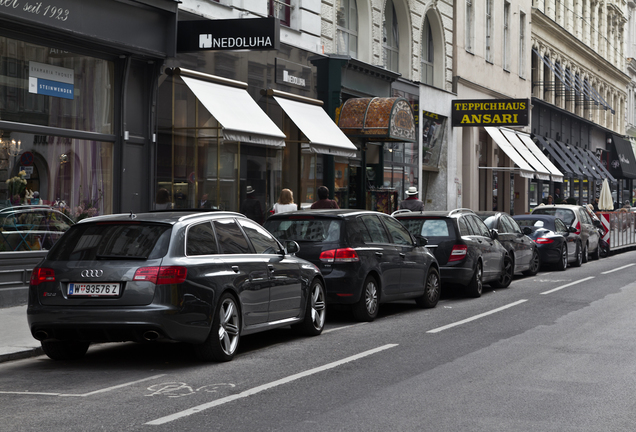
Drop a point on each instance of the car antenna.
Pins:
(132, 215)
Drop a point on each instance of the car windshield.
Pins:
(566, 215)
(305, 229)
(87, 242)
(428, 227)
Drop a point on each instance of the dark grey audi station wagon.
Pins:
(201, 278)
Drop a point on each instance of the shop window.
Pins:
(281, 9)
(391, 38)
(428, 54)
(347, 27)
(79, 97)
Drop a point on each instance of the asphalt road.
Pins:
(555, 352)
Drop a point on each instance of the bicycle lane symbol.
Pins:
(179, 389)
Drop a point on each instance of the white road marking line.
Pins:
(458, 323)
(342, 328)
(567, 285)
(617, 269)
(255, 390)
(85, 394)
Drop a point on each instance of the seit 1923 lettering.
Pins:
(39, 8)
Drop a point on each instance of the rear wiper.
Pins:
(120, 257)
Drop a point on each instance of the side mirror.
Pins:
(571, 229)
(421, 240)
(291, 247)
(494, 234)
(597, 223)
(527, 230)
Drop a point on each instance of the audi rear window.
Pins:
(104, 241)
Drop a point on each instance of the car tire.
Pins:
(366, 309)
(505, 279)
(579, 256)
(315, 312)
(585, 256)
(535, 264)
(476, 285)
(432, 290)
(563, 262)
(224, 337)
(596, 255)
(65, 350)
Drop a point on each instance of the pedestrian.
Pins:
(251, 206)
(550, 200)
(323, 200)
(285, 202)
(412, 202)
(595, 205)
(205, 203)
(162, 199)
(627, 205)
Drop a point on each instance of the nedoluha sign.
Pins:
(491, 112)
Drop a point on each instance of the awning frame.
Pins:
(525, 170)
(541, 172)
(555, 174)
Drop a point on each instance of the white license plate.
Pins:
(93, 290)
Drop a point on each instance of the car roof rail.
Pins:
(400, 211)
(461, 210)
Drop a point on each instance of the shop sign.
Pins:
(49, 80)
(490, 112)
(289, 73)
(223, 35)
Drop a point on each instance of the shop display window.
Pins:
(51, 87)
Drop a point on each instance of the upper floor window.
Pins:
(522, 44)
(281, 9)
(489, 30)
(347, 27)
(470, 25)
(427, 54)
(506, 37)
(391, 38)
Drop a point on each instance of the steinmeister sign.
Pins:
(491, 112)
(223, 35)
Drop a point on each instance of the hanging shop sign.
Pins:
(491, 112)
(223, 35)
(49, 80)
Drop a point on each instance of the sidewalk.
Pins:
(16, 341)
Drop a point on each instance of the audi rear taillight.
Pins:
(458, 253)
(161, 275)
(544, 240)
(42, 274)
(345, 255)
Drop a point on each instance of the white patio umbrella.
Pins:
(605, 202)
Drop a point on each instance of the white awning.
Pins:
(557, 175)
(238, 114)
(542, 172)
(525, 170)
(324, 135)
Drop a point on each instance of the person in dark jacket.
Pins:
(323, 200)
(251, 206)
(411, 202)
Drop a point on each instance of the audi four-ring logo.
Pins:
(92, 273)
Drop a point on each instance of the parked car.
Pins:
(520, 247)
(31, 227)
(468, 253)
(366, 257)
(577, 217)
(201, 278)
(557, 244)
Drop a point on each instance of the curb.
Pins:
(21, 354)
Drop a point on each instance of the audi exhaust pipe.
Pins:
(41, 335)
(151, 335)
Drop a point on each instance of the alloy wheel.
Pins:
(229, 326)
(318, 310)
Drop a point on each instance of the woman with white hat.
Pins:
(411, 202)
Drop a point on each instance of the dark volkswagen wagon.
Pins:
(201, 278)
(366, 257)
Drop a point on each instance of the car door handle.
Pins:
(235, 268)
(271, 268)
(379, 254)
